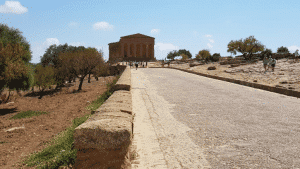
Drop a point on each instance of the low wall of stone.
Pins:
(115, 70)
(250, 84)
(103, 141)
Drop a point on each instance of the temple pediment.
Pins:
(138, 35)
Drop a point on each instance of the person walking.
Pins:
(272, 63)
(136, 65)
(265, 62)
(146, 64)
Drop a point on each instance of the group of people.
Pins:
(269, 62)
(136, 64)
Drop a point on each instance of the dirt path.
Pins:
(63, 108)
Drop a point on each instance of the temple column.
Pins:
(134, 49)
(141, 49)
(122, 49)
(128, 50)
(152, 51)
(147, 48)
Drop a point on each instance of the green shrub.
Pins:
(215, 57)
(27, 114)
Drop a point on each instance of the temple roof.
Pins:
(113, 43)
(138, 35)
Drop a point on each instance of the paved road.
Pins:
(190, 121)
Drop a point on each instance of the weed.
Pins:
(27, 114)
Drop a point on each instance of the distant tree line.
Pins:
(247, 47)
(58, 64)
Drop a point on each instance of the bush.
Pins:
(204, 54)
(215, 57)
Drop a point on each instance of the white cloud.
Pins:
(166, 46)
(211, 40)
(209, 45)
(292, 49)
(153, 31)
(71, 24)
(39, 49)
(208, 36)
(161, 50)
(13, 7)
(76, 44)
(51, 41)
(102, 26)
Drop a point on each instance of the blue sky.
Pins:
(193, 25)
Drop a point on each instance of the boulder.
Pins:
(196, 64)
(235, 65)
(211, 68)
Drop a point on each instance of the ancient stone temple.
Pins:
(136, 47)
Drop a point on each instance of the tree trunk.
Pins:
(80, 84)
(89, 79)
(7, 97)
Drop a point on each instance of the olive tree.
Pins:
(247, 47)
(15, 55)
(81, 63)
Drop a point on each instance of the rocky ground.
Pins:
(286, 72)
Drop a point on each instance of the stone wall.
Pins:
(103, 141)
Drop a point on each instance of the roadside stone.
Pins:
(196, 64)
(211, 68)
(235, 65)
(14, 128)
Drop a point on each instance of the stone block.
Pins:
(211, 68)
(124, 81)
(196, 64)
(103, 140)
(109, 132)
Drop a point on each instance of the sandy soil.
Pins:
(63, 106)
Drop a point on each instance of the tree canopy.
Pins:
(15, 54)
(247, 47)
(51, 57)
(81, 63)
(171, 55)
(266, 52)
(186, 52)
(12, 36)
(203, 54)
(282, 50)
